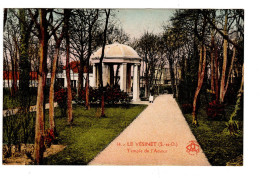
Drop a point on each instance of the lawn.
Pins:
(90, 134)
(219, 147)
(10, 102)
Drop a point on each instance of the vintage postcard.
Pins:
(108, 86)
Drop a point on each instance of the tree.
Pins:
(201, 74)
(40, 106)
(58, 40)
(170, 47)
(202, 64)
(148, 46)
(177, 39)
(188, 24)
(24, 62)
(233, 34)
(84, 27)
(12, 50)
(116, 34)
(42, 32)
(160, 65)
(107, 13)
(204, 29)
(67, 13)
(224, 83)
(5, 16)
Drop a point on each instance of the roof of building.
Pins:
(116, 51)
(9, 75)
(74, 66)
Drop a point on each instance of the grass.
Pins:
(219, 147)
(10, 102)
(89, 134)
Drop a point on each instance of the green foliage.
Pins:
(49, 138)
(165, 89)
(60, 97)
(90, 135)
(215, 110)
(10, 102)
(218, 146)
(186, 108)
(113, 95)
(18, 128)
(84, 140)
(232, 128)
(238, 161)
(24, 62)
(237, 107)
(232, 125)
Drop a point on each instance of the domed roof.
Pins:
(117, 51)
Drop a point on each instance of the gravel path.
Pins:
(160, 135)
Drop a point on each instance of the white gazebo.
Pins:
(126, 57)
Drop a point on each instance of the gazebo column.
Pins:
(111, 75)
(94, 75)
(106, 74)
(97, 75)
(65, 79)
(123, 69)
(128, 79)
(136, 82)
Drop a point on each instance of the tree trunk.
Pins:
(5, 16)
(87, 104)
(87, 63)
(39, 126)
(172, 76)
(212, 64)
(100, 64)
(216, 76)
(24, 65)
(13, 76)
(15, 58)
(230, 72)
(80, 76)
(201, 73)
(69, 92)
(147, 87)
(223, 75)
(176, 81)
(239, 95)
(242, 80)
(160, 78)
(51, 94)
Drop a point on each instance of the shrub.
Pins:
(49, 138)
(232, 127)
(142, 92)
(60, 97)
(165, 89)
(112, 95)
(215, 110)
(186, 108)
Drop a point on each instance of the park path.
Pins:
(160, 135)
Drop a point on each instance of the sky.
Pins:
(136, 21)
